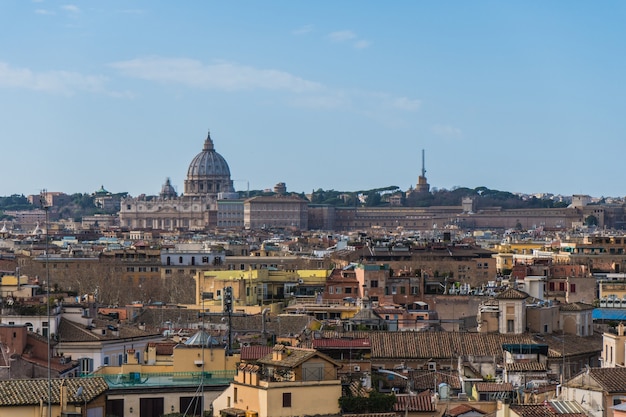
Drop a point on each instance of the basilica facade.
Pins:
(208, 179)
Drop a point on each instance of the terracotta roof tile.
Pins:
(533, 366)
(420, 402)
(445, 345)
(576, 307)
(534, 410)
(32, 391)
(462, 409)
(424, 379)
(70, 331)
(342, 343)
(254, 352)
(512, 294)
(494, 387)
(291, 357)
(165, 348)
(612, 380)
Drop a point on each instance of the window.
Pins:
(374, 284)
(402, 290)
(86, 365)
(348, 290)
(510, 326)
(286, 399)
(106, 360)
(394, 290)
(572, 288)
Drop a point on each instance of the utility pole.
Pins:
(43, 199)
(228, 309)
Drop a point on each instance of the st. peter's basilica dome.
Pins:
(208, 173)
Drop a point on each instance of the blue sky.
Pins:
(516, 96)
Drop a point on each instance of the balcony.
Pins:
(166, 379)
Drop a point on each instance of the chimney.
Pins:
(63, 395)
(620, 329)
(279, 352)
(131, 359)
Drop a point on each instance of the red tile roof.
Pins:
(494, 387)
(420, 402)
(342, 344)
(462, 409)
(612, 380)
(534, 410)
(254, 352)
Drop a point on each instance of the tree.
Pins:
(591, 220)
(375, 403)
(373, 199)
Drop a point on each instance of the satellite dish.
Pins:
(79, 391)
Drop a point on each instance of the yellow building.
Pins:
(289, 381)
(174, 377)
(256, 289)
(508, 253)
(16, 287)
(612, 294)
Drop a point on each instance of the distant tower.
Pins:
(422, 184)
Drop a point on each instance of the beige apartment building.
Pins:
(276, 211)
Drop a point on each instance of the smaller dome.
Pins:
(167, 190)
(201, 338)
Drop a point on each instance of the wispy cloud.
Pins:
(132, 11)
(361, 44)
(55, 82)
(303, 30)
(44, 12)
(218, 75)
(229, 76)
(342, 36)
(445, 131)
(321, 102)
(70, 8)
(348, 36)
(404, 103)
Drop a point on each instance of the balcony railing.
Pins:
(166, 379)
